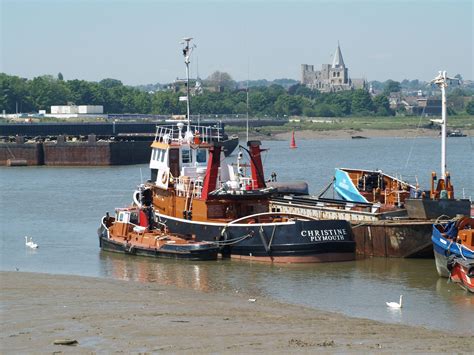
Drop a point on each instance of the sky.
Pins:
(138, 41)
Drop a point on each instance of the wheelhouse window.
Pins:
(186, 156)
(158, 155)
(201, 155)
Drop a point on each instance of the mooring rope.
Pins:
(233, 241)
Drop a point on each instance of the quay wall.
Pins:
(113, 128)
(76, 129)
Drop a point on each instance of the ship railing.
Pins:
(202, 133)
(197, 187)
(189, 187)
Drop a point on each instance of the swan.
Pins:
(30, 243)
(395, 304)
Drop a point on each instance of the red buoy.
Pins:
(293, 142)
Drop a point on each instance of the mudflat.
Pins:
(105, 315)
(367, 133)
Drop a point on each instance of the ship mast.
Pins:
(442, 81)
(187, 50)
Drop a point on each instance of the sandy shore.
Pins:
(121, 316)
(348, 134)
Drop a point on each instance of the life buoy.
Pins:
(164, 178)
(137, 198)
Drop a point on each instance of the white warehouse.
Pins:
(81, 109)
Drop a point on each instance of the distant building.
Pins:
(330, 78)
(416, 105)
(81, 109)
(428, 107)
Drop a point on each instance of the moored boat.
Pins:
(132, 232)
(200, 199)
(390, 216)
(193, 195)
(461, 271)
(452, 238)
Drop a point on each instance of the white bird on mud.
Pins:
(395, 304)
(30, 243)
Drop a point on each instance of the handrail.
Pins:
(272, 213)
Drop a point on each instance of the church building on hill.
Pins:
(332, 77)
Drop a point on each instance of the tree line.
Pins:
(40, 93)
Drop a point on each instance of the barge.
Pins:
(67, 144)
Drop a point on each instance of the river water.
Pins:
(61, 207)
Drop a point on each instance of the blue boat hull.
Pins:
(444, 247)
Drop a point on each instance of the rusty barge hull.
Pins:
(96, 154)
(77, 153)
(394, 239)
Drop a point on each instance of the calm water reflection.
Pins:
(61, 207)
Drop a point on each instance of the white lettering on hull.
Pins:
(324, 235)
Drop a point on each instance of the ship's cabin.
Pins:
(180, 154)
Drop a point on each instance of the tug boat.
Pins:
(452, 238)
(132, 232)
(194, 196)
(461, 271)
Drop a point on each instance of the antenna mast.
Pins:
(442, 81)
(187, 50)
(248, 65)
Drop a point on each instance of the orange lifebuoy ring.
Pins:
(164, 178)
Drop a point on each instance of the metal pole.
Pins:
(187, 54)
(442, 81)
(247, 123)
(187, 88)
(443, 130)
(248, 77)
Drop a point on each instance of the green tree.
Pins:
(60, 76)
(391, 86)
(288, 105)
(220, 79)
(46, 91)
(361, 103)
(15, 91)
(470, 107)
(166, 103)
(325, 110)
(382, 106)
(110, 83)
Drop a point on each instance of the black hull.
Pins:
(297, 241)
(432, 209)
(174, 252)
